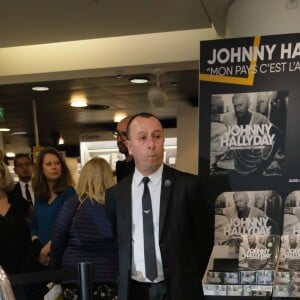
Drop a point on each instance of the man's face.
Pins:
(146, 144)
(122, 136)
(23, 169)
(292, 240)
(241, 201)
(251, 240)
(241, 105)
(259, 200)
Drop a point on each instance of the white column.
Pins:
(187, 140)
(263, 17)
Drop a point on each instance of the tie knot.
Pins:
(26, 185)
(145, 180)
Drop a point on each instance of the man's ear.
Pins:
(128, 145)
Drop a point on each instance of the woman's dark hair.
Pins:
(39, 182)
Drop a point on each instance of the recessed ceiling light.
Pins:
(61, 141)
(10, 154)
(78, 102)
(139, 79)
(4, 129)
(40, 88)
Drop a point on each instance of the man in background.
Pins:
(126, 166)
(23, 168)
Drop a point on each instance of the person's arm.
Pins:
(44, 254)
(34, 225)
(60, 231)
(110, 206)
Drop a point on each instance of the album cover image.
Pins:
(214, 277)
(214, 289)
(265, 277)
(235, 290)
(259, 252)
(247, 290)
(231, 278)
(248, 277)
(283, 278)
(209, 289)
(295, 290)
(281, 290)
(259, 293)
(221, 290)
(248, 133)
(246, 212)
(289, 256)
(291, 219)
(295, 277)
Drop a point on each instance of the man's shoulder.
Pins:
(17, 188)
(228, 118)
(121, 185)
(259, 118)
(180, 178)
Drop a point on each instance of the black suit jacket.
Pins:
(185, 232)
(17, 189)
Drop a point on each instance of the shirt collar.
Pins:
(155, 177)
(24, 183)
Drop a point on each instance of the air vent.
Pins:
(96, 107)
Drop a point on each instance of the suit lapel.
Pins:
(167, 185)
(126, 205)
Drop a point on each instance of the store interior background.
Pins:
(93, 47)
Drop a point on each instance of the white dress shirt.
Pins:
(138, 260)
(22, 185)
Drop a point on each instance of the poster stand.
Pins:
(248, 132)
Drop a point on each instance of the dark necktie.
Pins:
(28, 195)
(149, 245)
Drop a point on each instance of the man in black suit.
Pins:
(182, 221)
(23, 168)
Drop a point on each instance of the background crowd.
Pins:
(49, 223)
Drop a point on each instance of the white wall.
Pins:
(187, 140)
(262, 17)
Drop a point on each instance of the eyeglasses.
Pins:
(121, 134)
(25, 165)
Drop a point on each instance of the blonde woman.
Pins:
(82, 231)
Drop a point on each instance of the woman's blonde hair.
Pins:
(7, 179)
(95, 178)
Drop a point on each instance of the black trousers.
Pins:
(147, 291)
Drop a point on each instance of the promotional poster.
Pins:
(259, 252)
(249, 99)
(246, 212)
(289, 257)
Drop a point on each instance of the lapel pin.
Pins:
(167, 183)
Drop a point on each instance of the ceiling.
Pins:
(33, 22)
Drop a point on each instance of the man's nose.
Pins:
(150, 142)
